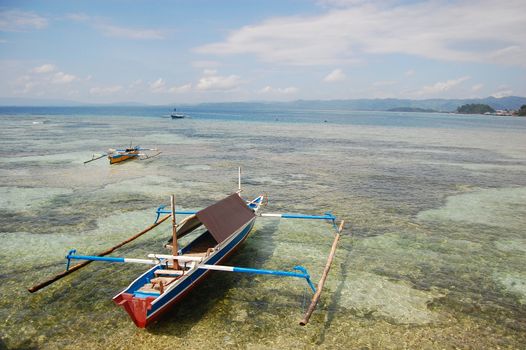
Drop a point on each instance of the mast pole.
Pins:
(239, 179)
(175, 248)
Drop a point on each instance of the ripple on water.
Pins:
(197, 167)
(170, 139)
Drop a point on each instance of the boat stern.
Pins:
(136, 307)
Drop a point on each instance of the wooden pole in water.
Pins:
(175, 248)
(82, 264)
(319, 288)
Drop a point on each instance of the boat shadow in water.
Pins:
(201, 300)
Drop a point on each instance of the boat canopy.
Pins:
(225, 217)
(220, 219)
(188, 225)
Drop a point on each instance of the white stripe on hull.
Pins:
(217, 267)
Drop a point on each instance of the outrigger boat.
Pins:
(120, 155)
(176, 115)
(227, 224)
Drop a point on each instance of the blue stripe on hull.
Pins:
(170, 297)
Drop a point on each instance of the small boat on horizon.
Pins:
(176, 115)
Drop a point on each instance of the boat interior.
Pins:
(209, 229)
(163, 276)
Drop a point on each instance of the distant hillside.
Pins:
(443, 105)
(411, 109)
(475, 108)
(522, 111)
(386, 104)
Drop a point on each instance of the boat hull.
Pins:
(117, 158)
(144, 309)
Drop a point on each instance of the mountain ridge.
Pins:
(441, 105)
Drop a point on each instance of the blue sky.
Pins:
(164, 52)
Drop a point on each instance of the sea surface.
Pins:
(432, 256)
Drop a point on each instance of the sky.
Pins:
(177, 52)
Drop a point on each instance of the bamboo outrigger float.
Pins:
(226, 224)
(120, 155)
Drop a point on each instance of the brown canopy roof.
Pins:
(225, 217)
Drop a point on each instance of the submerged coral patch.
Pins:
(28, 198)
(513, 282)
(397, 302)
(502, 207)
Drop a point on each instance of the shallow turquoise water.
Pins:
(435, 203)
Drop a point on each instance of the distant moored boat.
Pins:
(176, 115)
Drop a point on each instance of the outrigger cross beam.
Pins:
(165, 260)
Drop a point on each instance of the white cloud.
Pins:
(340, 3)
(46, 78)
(135, 84)
(514, 54)
(130, 33)
(106, 90)
(79, 17)
(284, 91)
(206, 64)
(115, 31)
(409, 73)
(468, 31)
(25, 85)
(158, 85)
(441, 86)
(20, 21)
(384, 83)
(209, 72)
(45, 68)
(63, 78)
(73, 93)
(212, 81)
(334, 76)
(477, 87)
(502, 93)
(180, 89)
